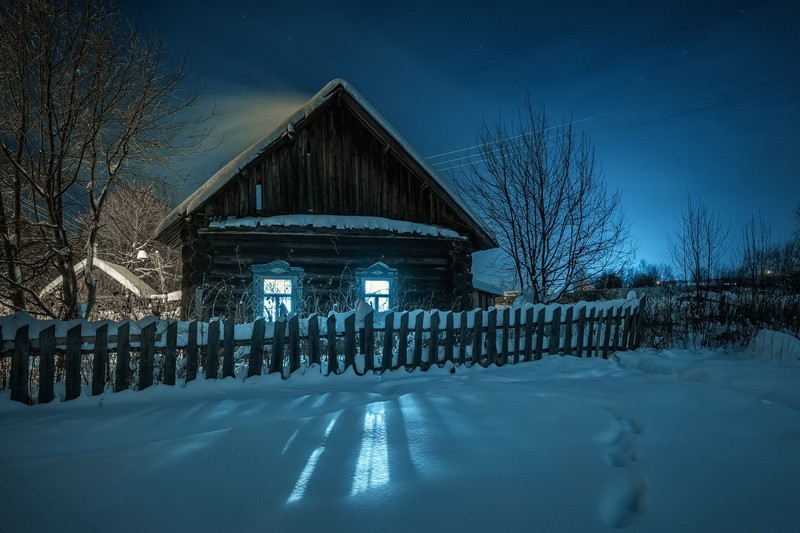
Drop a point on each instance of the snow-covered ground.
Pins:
(648, 441)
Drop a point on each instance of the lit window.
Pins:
(376, 293)
(277, 298)
(377, 285)
(278, 289)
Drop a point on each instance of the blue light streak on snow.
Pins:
(305, 476)
(372, 467)
(290, 441)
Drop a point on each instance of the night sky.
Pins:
(678, 97)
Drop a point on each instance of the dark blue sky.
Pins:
(678, 97)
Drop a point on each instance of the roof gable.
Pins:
(168, 229)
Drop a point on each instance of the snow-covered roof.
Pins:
(484, 285)
(122, 275)
(335, 222)
(197, 199)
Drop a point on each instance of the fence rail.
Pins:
(115, 355)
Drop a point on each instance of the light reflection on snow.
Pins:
(305, 476)
(414, 424)
(308, 470)
(290, 441)
(372, 467)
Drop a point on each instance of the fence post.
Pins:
(539, 335)
(191, 353)
(171, 353)
(212, 350)
(419, 320)
(333, 358)
(278, 341)
(73, 363)
(529, 334)
(402, 341)
(491, 338)
(228, 349)
(477, 337)
(433, 341)
(639, 320)
(590, 332)
(147, 339)
(100, 360)
(504, 339)
(555, 332)
(294, 343)
(607, 333)
(369, 342)
(313, 340)
(123, 370)
(462, 342)
(625, 343)
(47, 354)
(568, 331)
(449, 337)
(19, 366)
(350, 341)
(581, 331)
(256, 357)
(388, 334)
(517, 331)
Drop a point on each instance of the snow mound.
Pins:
(768, 344)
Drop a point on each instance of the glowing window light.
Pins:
(372, 466)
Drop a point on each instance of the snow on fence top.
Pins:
(335, 222)
(244, 332)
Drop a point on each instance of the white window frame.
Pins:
(378, 272)
(276, 270)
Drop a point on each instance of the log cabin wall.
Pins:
(432, 272)
(335, 164)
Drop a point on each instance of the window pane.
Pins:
(383, 304)
(277, 286)
(376, 286)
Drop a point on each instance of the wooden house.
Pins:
(331, 207)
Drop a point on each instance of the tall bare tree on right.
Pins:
(541, 190)
(698, 245)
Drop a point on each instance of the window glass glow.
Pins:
(376, 293)
(277, 286)
(277, 298)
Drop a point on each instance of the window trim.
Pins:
(276, 270)
(378, 271)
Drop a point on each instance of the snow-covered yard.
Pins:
(649, 441)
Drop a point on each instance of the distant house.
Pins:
(330, 207)
(120, 292)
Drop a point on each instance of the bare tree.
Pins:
(698, 245)
(759, 256)
(541, 190)
(86, 102)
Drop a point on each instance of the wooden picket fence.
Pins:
(161, 350)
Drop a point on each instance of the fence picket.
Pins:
(369, 342)
(416, 362)
(580, 332)
(294, 343)
(607, 332)
(555, 332)
(449, 337)
(171, 353)
(568, 332)
(491, 337)
(350, 341)
(191, 353)
(477, 337)
(388, 337)
(517, 340)
(228, 349)
(313, 340)
(402, 341)
(255, 360)
(539, 335)
(212, 350)
(73, 364)
(433, 341)
(590, 332)
(462, 339)
(333, 358)
(19, 366)
(47, 359)
(529, 334)
(278, 341)
(122, 372)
